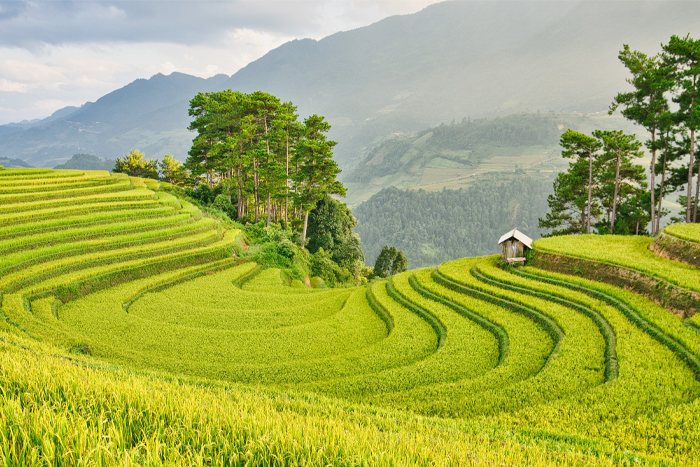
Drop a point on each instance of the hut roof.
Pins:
(518, 235)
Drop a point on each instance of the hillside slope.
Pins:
(463, 58)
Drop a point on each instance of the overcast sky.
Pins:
(59, 53)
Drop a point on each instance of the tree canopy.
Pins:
(255, 147)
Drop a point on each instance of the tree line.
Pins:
(266, 161)
(603, 188)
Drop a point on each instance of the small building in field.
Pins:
(515, 244)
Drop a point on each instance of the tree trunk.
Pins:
(697, 195)
(268, 209)
(239, 183)
(653, 182)
(286, 186)
(692, 154)
(617, 190)
(697, 184)
(661, 188)
(255, 191)
(689, 204)
(306, 223)
(590, 190)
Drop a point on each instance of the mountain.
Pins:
(150, 115)
(10, 128)
(13, 163)
(464, 59)
(400, 75)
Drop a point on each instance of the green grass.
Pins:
(122, 195)
(528, 350)
(24, 256)
(578, 361)
(111, 186)
(145, 257)
(668, 325)
(489, 272)
(212, 301)
(91, 231)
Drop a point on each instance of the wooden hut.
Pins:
(515, 244)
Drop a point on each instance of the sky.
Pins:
(59, 53)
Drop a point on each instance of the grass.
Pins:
(50, 416)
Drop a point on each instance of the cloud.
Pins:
(67, 52)
(12, 86)
(35, 24)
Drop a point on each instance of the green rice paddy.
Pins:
(131, 335)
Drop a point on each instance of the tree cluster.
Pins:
(671, 76)
(663, 101)
(267, 161)
(168, 170)
(603, 188)
(390, 262)
(331, 227)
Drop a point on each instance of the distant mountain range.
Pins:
(400, 75)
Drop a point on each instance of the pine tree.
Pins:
(647, 103)
(683, 54)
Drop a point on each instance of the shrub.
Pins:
(317, 283)
(222, 203)
(323, 266)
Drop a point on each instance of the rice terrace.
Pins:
(255, 293)
(131, 331)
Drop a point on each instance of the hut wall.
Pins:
(513, 249)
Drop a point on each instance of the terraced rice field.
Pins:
(629, 252)
(201, 358)
(690, 232)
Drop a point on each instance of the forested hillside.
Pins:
(87, 162)
(465, 144)
(434, 227)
